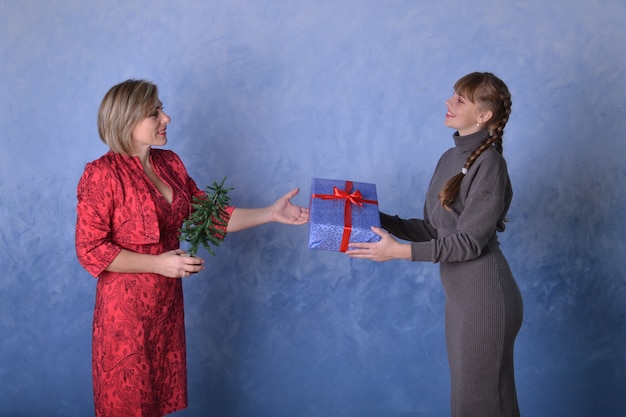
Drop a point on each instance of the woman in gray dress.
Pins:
(466, 204)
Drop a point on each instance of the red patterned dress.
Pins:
(138, 351)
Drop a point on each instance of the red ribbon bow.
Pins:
(350, 198)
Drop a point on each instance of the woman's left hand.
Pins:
(285, 212)
(386, 249)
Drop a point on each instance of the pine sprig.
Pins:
(208, 215)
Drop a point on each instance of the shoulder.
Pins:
(110, 161)
(489, 172)
(166, 156)
(102, 178)
(101, 167)
(98, 178)
(491, 158)
(169, 161)
(449, 154)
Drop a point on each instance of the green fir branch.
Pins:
(208, 219)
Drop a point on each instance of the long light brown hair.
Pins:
(488, 92)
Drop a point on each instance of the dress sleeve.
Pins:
(195, 192)
(94, 212)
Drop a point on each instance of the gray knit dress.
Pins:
(483, 303)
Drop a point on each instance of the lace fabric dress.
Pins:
(139, 360)
(138, 357)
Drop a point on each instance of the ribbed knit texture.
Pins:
(483, 303)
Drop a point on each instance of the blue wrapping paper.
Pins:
(326, 216)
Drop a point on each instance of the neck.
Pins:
(143, 155)
(469, 131)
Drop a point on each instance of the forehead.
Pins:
(151, 105)
(469, 94)
(467, 87)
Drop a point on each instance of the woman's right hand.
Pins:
(386, 249)
(172, 264)
(177, 264)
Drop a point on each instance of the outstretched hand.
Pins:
(386, 249)
(285, 212)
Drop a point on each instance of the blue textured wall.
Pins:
(271, 94)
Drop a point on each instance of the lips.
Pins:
(449, 115)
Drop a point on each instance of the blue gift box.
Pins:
(342, 212)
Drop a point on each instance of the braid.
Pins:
(451, 188)
(490, 92)
(497, 128)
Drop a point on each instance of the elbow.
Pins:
(459, 248)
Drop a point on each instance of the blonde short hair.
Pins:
(122, 107)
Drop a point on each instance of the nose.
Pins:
(165, 119)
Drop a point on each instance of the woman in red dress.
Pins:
(131, 204)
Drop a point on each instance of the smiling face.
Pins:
(150, 131)
(131, 118)
(463, 115)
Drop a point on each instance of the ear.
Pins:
(485, 116)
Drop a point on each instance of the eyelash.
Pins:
(156, 112)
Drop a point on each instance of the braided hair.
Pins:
(488, 92)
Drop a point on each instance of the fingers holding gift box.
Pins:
(342, 212)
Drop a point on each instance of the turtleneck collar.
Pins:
(470, 142)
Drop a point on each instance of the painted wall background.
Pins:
(271, 94)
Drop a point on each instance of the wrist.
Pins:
(405, 251)
(152, 264)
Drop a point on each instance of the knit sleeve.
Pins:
(485, 198)
(415, 230)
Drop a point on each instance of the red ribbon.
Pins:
(350, 198)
